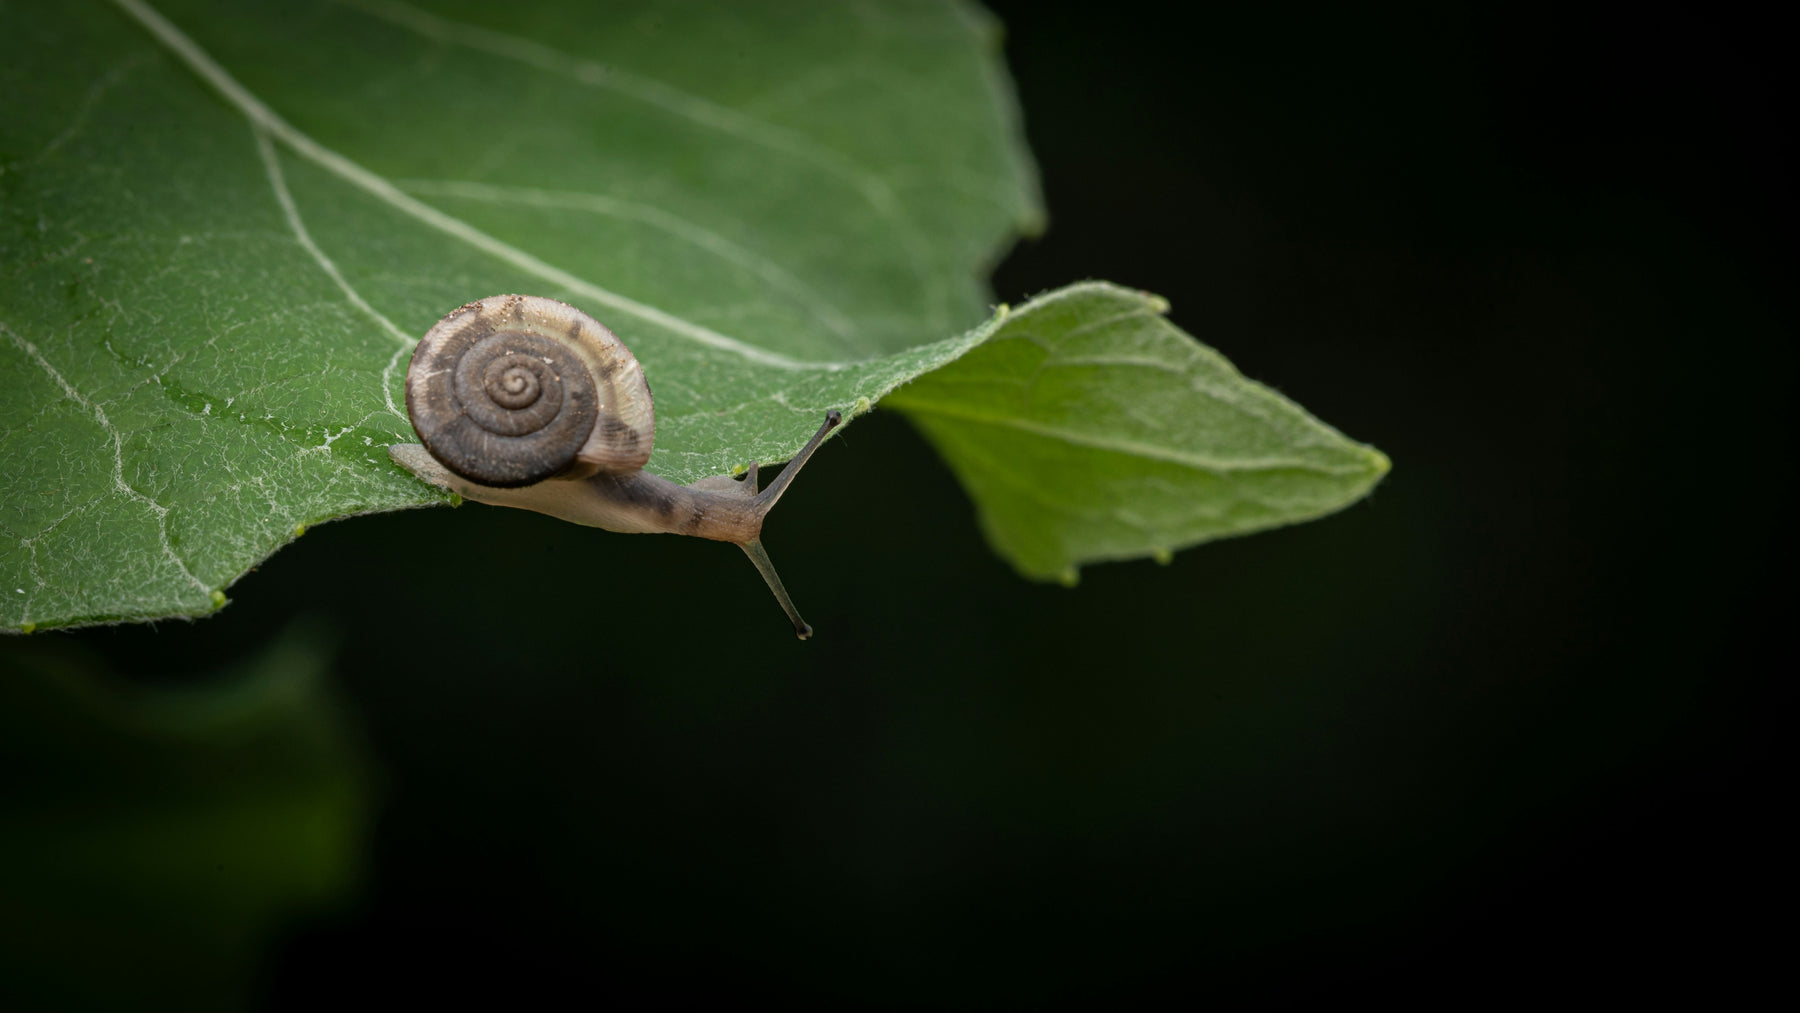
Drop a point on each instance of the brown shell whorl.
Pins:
(512, 390)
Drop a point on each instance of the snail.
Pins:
(527, 402)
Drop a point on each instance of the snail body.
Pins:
(527, 402)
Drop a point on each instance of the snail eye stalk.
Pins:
(530, 403)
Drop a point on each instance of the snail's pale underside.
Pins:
(527, 402)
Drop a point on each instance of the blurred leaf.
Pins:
(1089, 428)
(151, 839)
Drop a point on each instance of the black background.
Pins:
(1506, 727)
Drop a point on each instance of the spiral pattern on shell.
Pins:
(512, 390)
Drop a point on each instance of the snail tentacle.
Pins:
(526, 402)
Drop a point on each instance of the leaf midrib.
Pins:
(1132, 448)
(263, 118)
(874, 189)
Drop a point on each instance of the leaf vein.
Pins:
(708, 240)
(303, 145)
(874, 189)
(272, 165)
(118, 476)
(99, 88)
(1128, 447)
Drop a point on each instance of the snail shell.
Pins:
(515, 389)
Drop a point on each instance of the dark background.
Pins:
(1504, 728)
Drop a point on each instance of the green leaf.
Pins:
(152, 839)
(223, 227)
(1089, 428)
